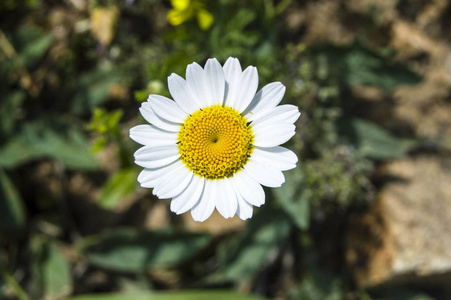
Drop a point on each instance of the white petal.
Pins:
(267, 98)
(181, 94)
(226, 202)
(215, 82)
(167, 109)
(243, 90)
(206, 205)
(188, 197)
(245, 209)
(148, 178)
(278, 157)
(232, 73)
(270, 135)
(150, 116)
(248, 188)
(264, 173)
(196, 84)
(283, 113)
(152, 136)
(174, 182)
(149, 157)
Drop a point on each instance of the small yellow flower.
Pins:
(184, 10)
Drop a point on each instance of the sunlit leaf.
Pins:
(119, 185)
(133, 250)
(103, 23)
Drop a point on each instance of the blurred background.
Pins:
(365, 215)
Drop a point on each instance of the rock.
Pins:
(405, 236)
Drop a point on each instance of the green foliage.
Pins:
(183, 295)
(135, 251)
(92, 89)
(58, 104)
(35, 45)
(10, 109)
(52, 276)
(358, 65)
(318, 285)
(13, 285)
(370, 140)
(12, 214)
(48, 138)
(104, 122)
(339, 179)
(243, 256)
(119, 185)
(294, 197)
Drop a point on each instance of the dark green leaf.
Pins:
(48, 138)
(358, 65)
(293, 197)
(400, 293)
(12, 215)
(31, 44)
(182, 295)
(241, 257)
(92, 89)
(318, 285)
(10, 107)
(370, 140)
(132, 250)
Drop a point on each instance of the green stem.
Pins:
(12, 283)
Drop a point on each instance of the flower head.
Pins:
(184, 10)
(217, 143)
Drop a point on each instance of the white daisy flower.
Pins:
(217, 143)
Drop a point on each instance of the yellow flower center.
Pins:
(215, 142)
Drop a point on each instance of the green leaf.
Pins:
(358, 65)
(10, 107)
(318, 285)
(31, 44)
(12, 214)
(370, 140)
(293, 196)
(244, 255)
(56, 274)
(134, 251)
(182, 295)
(48, 138)
(92, 89)
(119, 185)
(51, 275)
